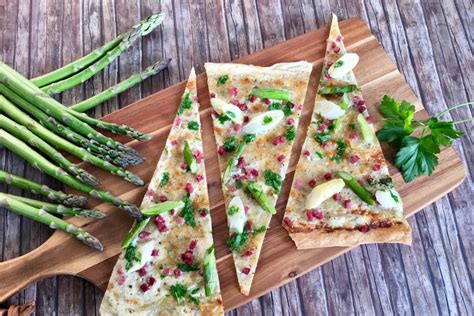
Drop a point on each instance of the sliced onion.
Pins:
(232, 111)
(386, 200)
(323, 192)
(343, 65)
(259, 127)
(236, 222)
(329, 110)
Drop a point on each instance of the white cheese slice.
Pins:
(145, 250)
(237, 220)
(323, 192)
(386, 198)
(329, 110)
(264, 123)
(343, 65)
(232, 111)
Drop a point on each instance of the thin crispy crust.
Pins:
(212, 309)
(399, 233)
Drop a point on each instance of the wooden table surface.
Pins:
(431, 42)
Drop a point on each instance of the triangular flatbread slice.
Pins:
(168, 265)
(342, 193)
(256, 112)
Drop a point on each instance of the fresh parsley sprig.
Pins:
(416, 155)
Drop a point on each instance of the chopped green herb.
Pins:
(230, 114)
(320, 155)
(394, 196)
(267, 119)
(237, 240)
(222, 79)
(232, 210)
(132, 255)
(184, 104)
(238, 185)
(322, 137)
(193, 125)
(188, 212)
(386, 183)
(185, 268)
(193, 299)
(223, 118)
(273, 180)
(260, 230)
(165, 177)
(341, 149)
(352, 126)
(249, 138)
(287, 109)
(290, 133)
(230, 143)
(179, 292)
(274, 106)
(338, 64)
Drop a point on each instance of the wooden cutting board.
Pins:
(280, 262)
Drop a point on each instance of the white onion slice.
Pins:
(386, 198)
(236, 221)
(232, 111)
(329, 110)
(343, 65)
(323, 192)
(259, 126)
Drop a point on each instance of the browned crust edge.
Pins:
(349, 238)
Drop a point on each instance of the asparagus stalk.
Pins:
(120, 87)
(76, 65)
(134, 231)
(40, 215)
(20, 85)
(59, 208)
(46, 135)
(210, 272)
(39, 162)
(141, 29)
(358, 189)
(189, 158)
(23, 133)
(233, 161)
(105, 153)
(260, 197)
(274, 94)
(33, 187)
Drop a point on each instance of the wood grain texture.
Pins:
(432, 45)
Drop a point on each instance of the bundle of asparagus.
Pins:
(35, 126)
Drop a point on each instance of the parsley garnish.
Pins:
(273, 180)
(192, 298)
(290, 133)
(223, 118)
(394, 196)
(193, 125)
(184, 104)
(260, 230)
(237, 240)
(179, 292)
(230, 144)
(322, 137)
(274, 106)
(249, 138)
(222, 79)
(320, 155)
(232, 210)
(187, 212)
(416, 155)
(341, 149)
(185, 268)
(287, 109)
(132, 254)
(267, 119)
(165, 177)
(338, 64)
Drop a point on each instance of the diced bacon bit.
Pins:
(120, 271)
(361, 108)
(327, 53)
(172, 212)
(199, 177)
(322, 127)
(354, 159)
(300, 106)
(347, 204)
(202, 212)
(278, 140)
(166, 271)
(174, 142)
(243, 107)
(329, 63)
(142, 272)
(246, 270)
(312, 183)
(161, 224)
(363, 228)
(151, 280)
(287, 221)
(357, 100)
(155, 252)
(314, 214)
(252, 98)
(369, 119)
(177, 272)
(353, 136)
(327, 122)
(337, 197)
(163, 198)
(370, 178)
(221, 150)
(328, 176)
(326, 145)
(309, 215)
(337, 49)
(179, 220)
(251, 173)
(298, 183)
(327, 76)
(150, 192)
(266, 101)
(237, 127)
(290, 121)
(246, 209)
(177, 122)
(121, 280)
(144, 287)
(233, 189)
(212, 95)
(361, 181)
(339, 38)
(333, 45)
(306, 153)
(189, 188)
(196, 98)
(280, 158)
(198, 155)
(248, 253)
(241, 162)
(192, 244)
(144, 234)
(234, 102)
(187, 257)
(183, 166)
(376, 167)
(246, 119)
(233, 91)
(249, 226)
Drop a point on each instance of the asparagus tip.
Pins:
(133, 178)
(75, 200)
(92, 214)
(132, 210)
(93, 242)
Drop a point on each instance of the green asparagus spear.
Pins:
(20, 85)
(39, 162)
(33, 187)
(44, 217)
(233, 161)
(121, 159)
(120, 87)
(59, 208)
(141, 29)
(23, 133)
(260, 197)
(76, 65)
(189, 158)
(210, 272)
(359, 190)
(46, 135)
(134, 231)
(274, 94)
(157, 209)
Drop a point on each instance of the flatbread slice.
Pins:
(342, 193)
(168, 265)
(256, 112)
